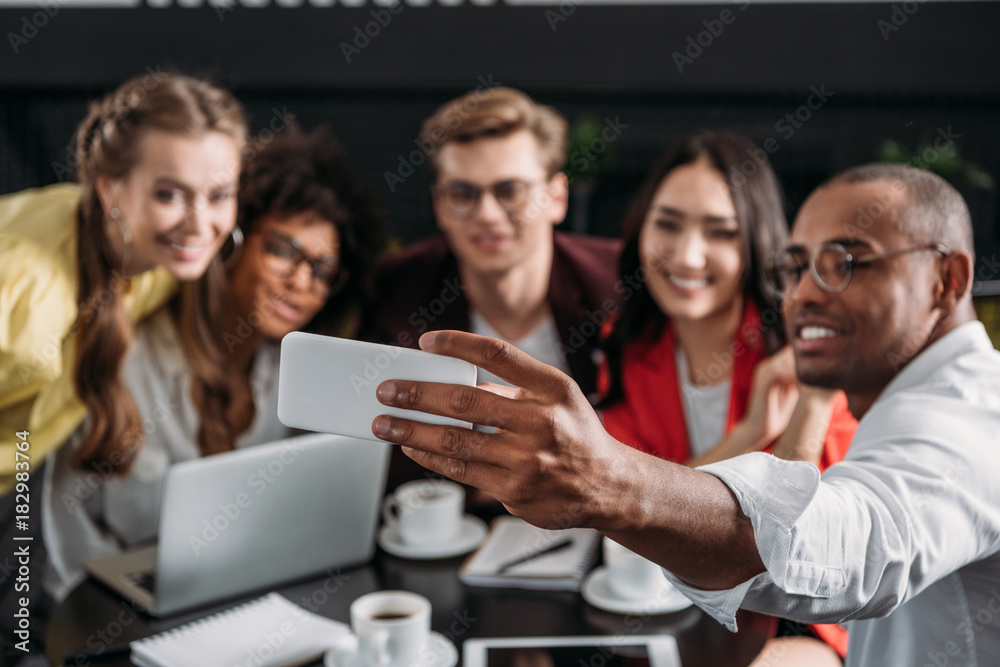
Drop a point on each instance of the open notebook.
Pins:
(267, 631)
(519, 555)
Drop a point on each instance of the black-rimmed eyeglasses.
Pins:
(283, 255)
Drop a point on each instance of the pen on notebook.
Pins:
(562, 544)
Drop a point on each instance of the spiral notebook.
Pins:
(516, 554)
(269, 631)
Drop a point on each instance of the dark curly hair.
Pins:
(299, 172)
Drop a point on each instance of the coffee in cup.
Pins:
(392, 628)
(426, 512)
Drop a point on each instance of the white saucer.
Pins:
(663, 601)
(439, 652)
(470, 536)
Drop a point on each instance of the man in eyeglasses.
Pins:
(498, 268)
(901, 539)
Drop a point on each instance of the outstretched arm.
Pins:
(553, 464)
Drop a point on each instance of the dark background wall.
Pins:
(939, 72)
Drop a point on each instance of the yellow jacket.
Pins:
(38, 307)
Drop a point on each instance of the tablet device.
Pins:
(328, 384)
(608, 651)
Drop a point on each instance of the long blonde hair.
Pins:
(108, 143)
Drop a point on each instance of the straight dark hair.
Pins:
(763, 229)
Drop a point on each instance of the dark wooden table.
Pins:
(93, 616)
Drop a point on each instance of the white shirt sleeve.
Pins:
(915, 500)
(773, 493)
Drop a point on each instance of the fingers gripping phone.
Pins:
(328, 384)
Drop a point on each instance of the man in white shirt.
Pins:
(901, 539)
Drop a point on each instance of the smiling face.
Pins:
(491, 240)
(689, 245)
(858, 339)
(178, 203)
(286, 303)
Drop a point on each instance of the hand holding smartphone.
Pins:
(328, 384)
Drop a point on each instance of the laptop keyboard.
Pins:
(145, 580)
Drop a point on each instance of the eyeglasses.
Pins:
(283, 255)
(831, 265)
(462, 199)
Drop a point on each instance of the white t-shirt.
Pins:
(705, 408)
(88, 513)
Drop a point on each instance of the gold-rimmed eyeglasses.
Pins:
(462, 199)
(831, 265)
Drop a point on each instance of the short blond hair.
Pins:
(496, 112)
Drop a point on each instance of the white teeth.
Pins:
(812, 333)
(185, 248)
(688, 284)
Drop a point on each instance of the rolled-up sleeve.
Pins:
(915, 500)
(773, 493)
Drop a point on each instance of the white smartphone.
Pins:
(328, 384)
(608, 651)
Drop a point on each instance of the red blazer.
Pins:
(650, 417)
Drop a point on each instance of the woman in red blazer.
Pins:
(695, 368)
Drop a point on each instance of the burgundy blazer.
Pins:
(418, 290)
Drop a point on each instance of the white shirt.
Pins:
(89, 513)
(706, 409)
(902, 538)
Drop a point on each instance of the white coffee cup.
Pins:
(426, 512)
(392, 628)
(630, 576)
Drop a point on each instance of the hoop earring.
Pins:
(236, 240)
(116, 215)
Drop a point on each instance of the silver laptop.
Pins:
(255, 518)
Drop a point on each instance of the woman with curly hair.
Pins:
(312, 232)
